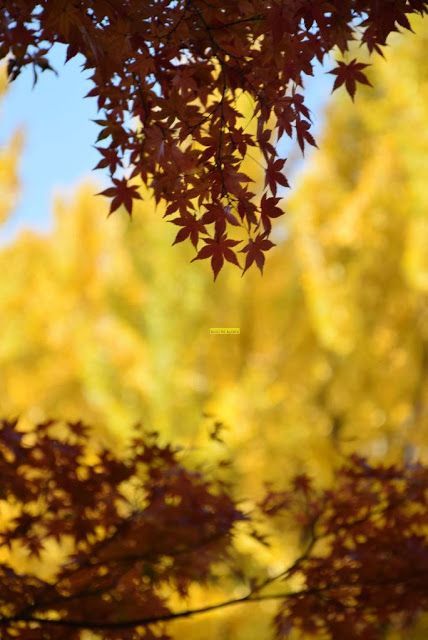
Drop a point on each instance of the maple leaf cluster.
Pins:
(177, 69)
(366, 564)
(146, 526)
(138, 525)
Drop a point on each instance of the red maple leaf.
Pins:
(255, 251)
(268, 210)
(303, 133)
(274, 175)
(122, 193)
(218, 250)
(191, 226)
(349, 73)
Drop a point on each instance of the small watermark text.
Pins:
(225, 330)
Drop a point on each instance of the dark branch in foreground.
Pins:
(365, 563)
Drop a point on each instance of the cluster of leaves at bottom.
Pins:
(146, 526)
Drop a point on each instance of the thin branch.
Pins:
(187, 613)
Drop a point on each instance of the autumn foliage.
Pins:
(94, 544)
(168, 77)
(142, 529)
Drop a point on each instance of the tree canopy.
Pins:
(167, 76)
(136, 533)
(154, 539)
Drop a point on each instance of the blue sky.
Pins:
(59, 134)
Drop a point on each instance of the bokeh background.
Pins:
(104, 320)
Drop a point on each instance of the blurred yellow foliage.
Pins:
(9, 156)
(103, 320)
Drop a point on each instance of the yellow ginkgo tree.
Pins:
(103, 320)
(9, 156)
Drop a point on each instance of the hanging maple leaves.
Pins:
(177, 69)
(141, 530)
